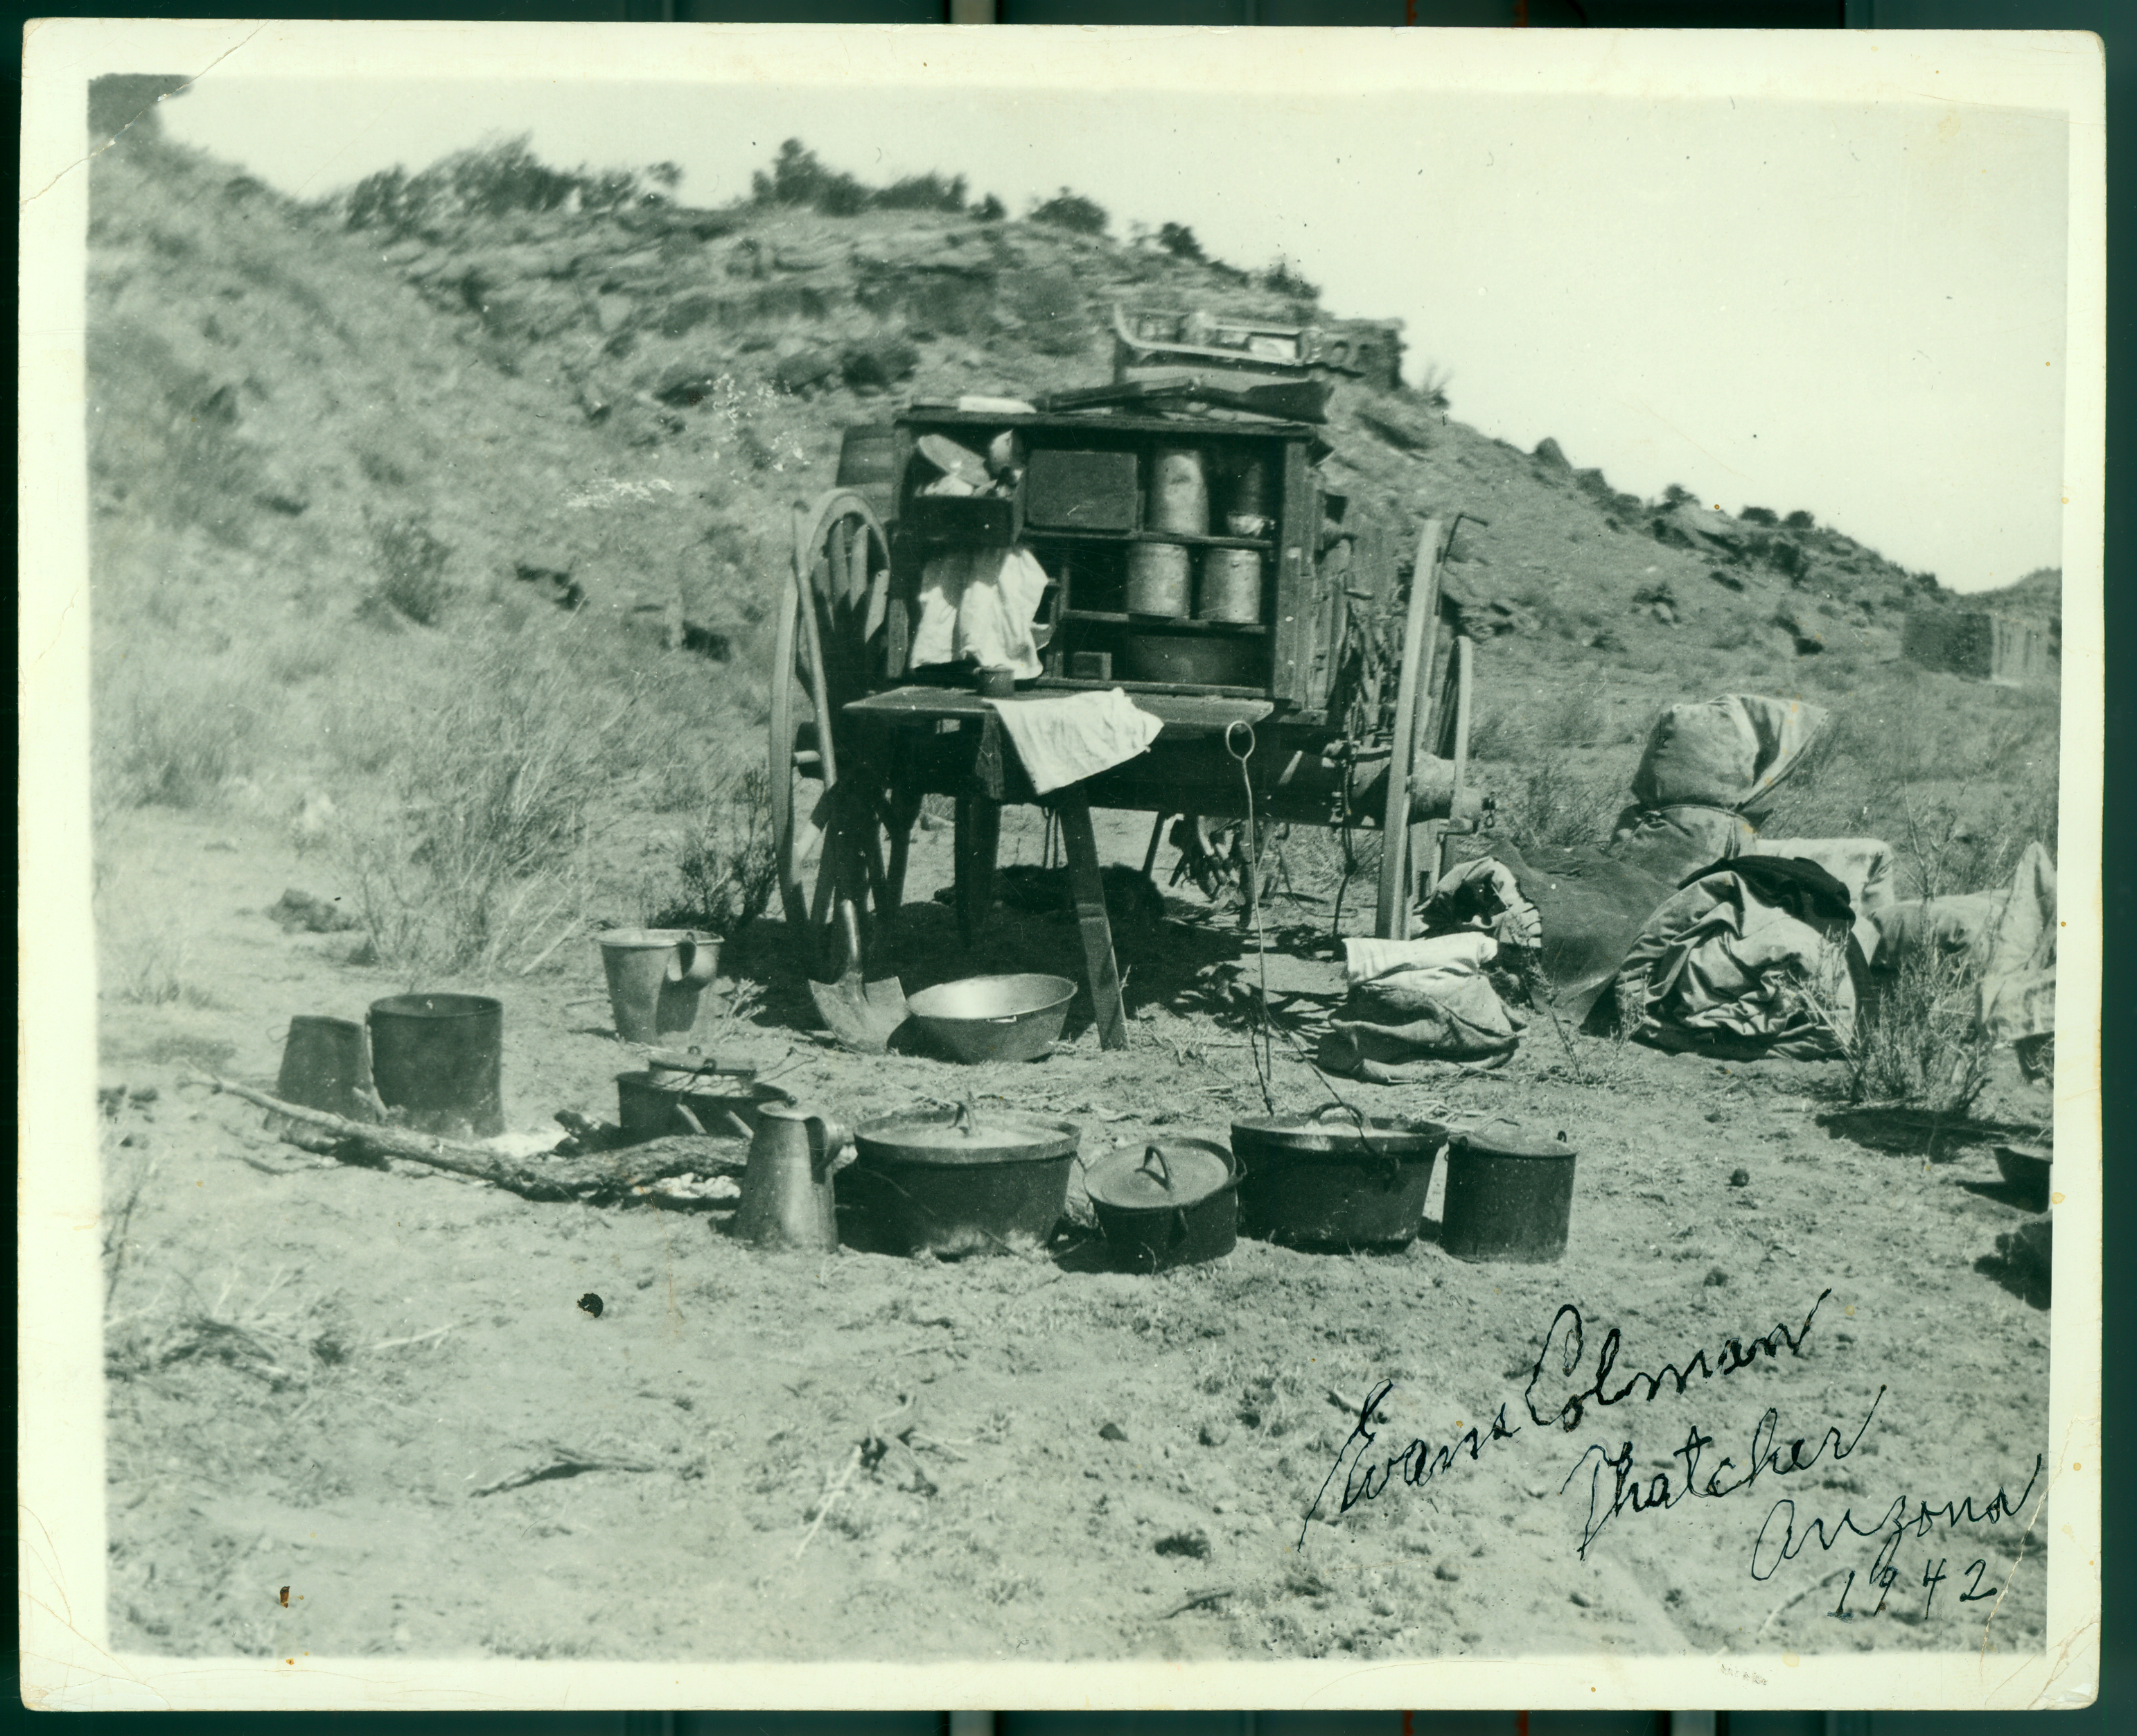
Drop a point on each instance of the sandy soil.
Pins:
(446, 1352)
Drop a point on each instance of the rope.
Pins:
(1264, 1058)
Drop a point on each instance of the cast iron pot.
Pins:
(951, 1181)
(647, 1103)
(1178, 1205)
(1335, 1179)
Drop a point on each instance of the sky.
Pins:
(1856, 309)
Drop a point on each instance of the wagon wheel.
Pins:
(1450, 740)
(828, 833)
(1421, 627)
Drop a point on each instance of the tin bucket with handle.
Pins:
(656, 980)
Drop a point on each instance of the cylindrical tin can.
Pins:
(1249, 494)
(1179, 492)
(1230, 587)
(1158, 574)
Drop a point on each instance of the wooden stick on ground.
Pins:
(602, 1175)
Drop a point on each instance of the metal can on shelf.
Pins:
(1231, 587)
(1158, 578)
(1179, 491)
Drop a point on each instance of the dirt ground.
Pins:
(440, 1349)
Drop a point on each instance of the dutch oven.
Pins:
(1177, 1204)
(1335, 1179)
(959, 1181)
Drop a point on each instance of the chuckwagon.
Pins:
(1194, 561)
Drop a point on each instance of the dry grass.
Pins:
(1915, 1042)
(476, 851)
(173, 735)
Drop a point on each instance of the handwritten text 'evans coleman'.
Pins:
(1368, 1469)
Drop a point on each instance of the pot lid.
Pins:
(952, 459)
(1179, 1173)
(1334, 1128)
(967, 1135)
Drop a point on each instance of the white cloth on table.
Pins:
(1066, 740)
(976, 606)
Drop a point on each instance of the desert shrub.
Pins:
(411, 565)
(798, 179)
(1760, 516)
(1799, 520)
(1577, 717)
(490, 180)
(923, 193)
(478, 847)
(726, 872)
(1496, 735)
(1051, 307)
(1073, 211)
(1549, 801)
(1915, 1040)
(1284, 279)
(991, 209)
(1178, 240)
(1432, 384)
(1677, 495)
(174, 737)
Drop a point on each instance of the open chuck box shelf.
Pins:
(1196, 562)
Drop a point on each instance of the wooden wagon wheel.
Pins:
(1450, 740)
(829, 833)
(1420, 631)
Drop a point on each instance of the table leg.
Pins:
(1088, 888)
(978, 841)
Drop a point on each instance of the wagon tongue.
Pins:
(861, 1016)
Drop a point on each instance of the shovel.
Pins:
(861, 1016)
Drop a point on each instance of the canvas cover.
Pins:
(1415, 1003)
(2008, 935)
(1748, 958)
(1726, 753)
(1864, 866)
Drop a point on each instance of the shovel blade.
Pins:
(862, 1016)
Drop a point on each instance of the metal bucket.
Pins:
(1179, 491)
(656, 979)
(1231, 587)
(1158, 578)
(326, 1064)
(1509, 1198)
(439, 1058)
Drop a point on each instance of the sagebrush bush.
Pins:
(1915, 1040)
(1073, 211)
(478, 847)
(174, 737)
(1549, 801)
(726, 871)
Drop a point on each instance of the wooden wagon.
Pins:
(1329, 694)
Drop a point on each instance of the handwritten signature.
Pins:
(1367, 1469)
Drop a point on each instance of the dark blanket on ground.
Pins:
(1594, 904)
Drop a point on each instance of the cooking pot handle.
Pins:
(1163, 1169)
(1327, 1110)
(1178, 1225)
(693, 961)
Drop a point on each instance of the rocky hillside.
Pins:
(495, 386)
